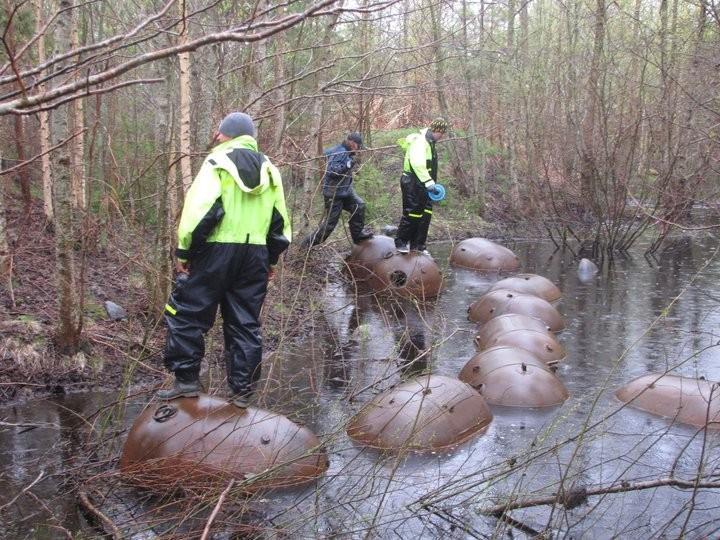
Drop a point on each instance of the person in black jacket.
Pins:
(339, 193)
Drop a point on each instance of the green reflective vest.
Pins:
(420, 157)
(235, 198)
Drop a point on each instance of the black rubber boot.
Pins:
(364, 235)
(180, 390)
(241, 401)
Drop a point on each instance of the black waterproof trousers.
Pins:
(416, 214)
(351, 203)
(235, 277)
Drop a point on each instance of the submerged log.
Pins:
(198, 443)
(513, 377)
(483, 255)
(682, 399)
(501, 302)
(425, 413)
(530, 284)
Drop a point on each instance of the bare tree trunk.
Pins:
(185, 146)
(279, 68)
(435, 24)
(69, 316)
(23, 173)
(588, 170)
(315, 149)
(44, 118)
(159, 273)
(5, 260)
(511, 120)
(77, 154)
(478, 182)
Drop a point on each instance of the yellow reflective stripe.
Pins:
(414, 215)
(171, 310)
(428, 211)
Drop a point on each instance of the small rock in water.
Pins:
(390, 230)
(115, 312)
(587, 270)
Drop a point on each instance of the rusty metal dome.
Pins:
(507, 323)
(376, 263)
(530, 284)
(682, 399)
(425, 413)
(543, 345)
(483, 255)
(513, 377)
(502, 301)
(198, 443)
(365, 255)
(412, 275)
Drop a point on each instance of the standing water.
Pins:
(635, 317)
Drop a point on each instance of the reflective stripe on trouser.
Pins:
(233, 276)
(351, 203)
(417, 212)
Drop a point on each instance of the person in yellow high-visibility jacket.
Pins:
(233, 228)
(418, 178)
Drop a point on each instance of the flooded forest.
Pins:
(359, 269)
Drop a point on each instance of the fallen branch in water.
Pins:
(213, 515)
(108, 526)
(575, 497)
(29, 425)
(25, 490)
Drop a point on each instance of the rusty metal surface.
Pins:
(513, 377)
(483, 255)
(377, 264)
(530, 284)
(507, 323)
(365, 255)
(682, 399)
(411, 275)
(502, 301)
(544, 345)
(425, 413)
(199, 442)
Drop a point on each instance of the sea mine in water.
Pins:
(428, 412)
(377, 263)
(501, 301)
(544, 345)
(530, 284)
(198, 443)
(484, 255)
(507, 323)
(513, 377)
(682, 399)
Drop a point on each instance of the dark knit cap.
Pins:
(355, 137)
(236, 124)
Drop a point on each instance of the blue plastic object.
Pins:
(438, 194)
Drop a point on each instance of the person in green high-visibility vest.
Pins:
(418, 178)
(233, 228)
